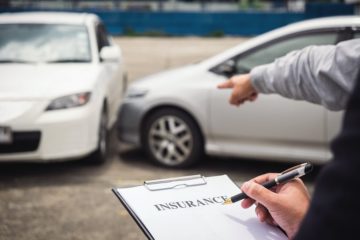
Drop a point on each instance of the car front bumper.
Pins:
(53, 135)
(129, 122)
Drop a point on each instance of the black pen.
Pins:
(287, 175)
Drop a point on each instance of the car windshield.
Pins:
(50, 43)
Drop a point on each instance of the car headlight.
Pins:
(136, 92)
(70, 101)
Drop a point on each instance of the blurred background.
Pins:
(75, 121)
(200, 18)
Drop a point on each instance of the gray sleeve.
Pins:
(318, 74)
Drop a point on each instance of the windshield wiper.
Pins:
(14, 61)
(68, 61)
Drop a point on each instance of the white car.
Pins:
(177, 115)
(60, 87)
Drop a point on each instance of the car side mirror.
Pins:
(227, 68)
(110, 53)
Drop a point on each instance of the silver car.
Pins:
(178, 115)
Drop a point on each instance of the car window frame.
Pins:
(102, 37)
(341, 32)
(355, 30)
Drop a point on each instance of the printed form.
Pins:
(195, 212)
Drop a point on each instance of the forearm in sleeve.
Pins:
(318, 74)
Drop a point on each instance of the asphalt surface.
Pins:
(73, 200)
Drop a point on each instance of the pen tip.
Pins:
(227, 201)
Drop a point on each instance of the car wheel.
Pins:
(101, 153)
(172, 138)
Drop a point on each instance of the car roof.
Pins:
(326, 22)
(302, 26)
(47, 17)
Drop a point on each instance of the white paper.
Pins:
(197, 212)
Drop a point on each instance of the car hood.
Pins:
(174, 76)
(44, 81)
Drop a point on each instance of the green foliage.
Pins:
(216, 33)
(130, 32)
(250, 4)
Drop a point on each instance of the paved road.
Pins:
(73, 200)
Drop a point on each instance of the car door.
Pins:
(272, 124)
(112, 73)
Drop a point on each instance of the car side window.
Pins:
(101, 36)
(269, 52)
(356, 35)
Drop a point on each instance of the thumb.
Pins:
(226, 84)
(260, 194)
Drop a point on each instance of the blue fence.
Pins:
(209, 23)
(196, 23)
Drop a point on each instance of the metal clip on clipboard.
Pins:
(173, 183)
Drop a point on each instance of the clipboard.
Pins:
(161, 185)
(155, 191)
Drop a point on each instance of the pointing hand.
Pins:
(242, 89)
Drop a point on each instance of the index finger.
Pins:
(264, 177)
(248, 202)
(226, 84)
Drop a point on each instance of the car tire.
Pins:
(171, 138)
(99, 156)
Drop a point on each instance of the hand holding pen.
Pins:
(285, 176)
(285, 205)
